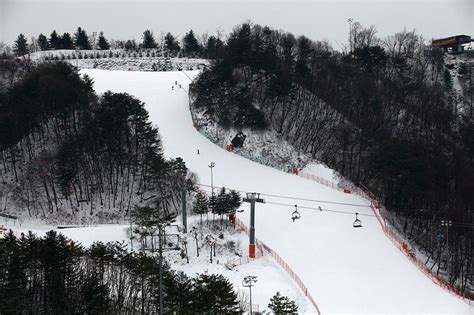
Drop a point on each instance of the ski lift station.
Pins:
(452, 44)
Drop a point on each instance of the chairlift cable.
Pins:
(458, 224)
(297, 198)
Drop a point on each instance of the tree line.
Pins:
(203, 46)
(384, 114)
(55, 275)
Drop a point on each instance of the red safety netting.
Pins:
(266, 249)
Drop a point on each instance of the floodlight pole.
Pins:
(249, 281)
(252, 198)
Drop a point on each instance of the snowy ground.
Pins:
(347, 270)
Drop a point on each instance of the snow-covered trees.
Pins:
(382, 101)
(282, 305)
(105, 155)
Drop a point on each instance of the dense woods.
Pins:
(385, 115)
(54, 275)
(70, 155)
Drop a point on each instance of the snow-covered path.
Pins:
(347, 270)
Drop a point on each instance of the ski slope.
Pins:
(346, 270)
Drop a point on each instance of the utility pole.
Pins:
(350, 33)
(183, 202)
(248, 282)
(93, 36)
(160, 270)
(252, 198)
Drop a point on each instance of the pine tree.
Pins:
(191, 44)
(148, 40)
(81, 40)
(177, 287)
(282, 305)
(103, 43)
(20, 46)
(54, 40)
(42, 42)
(130, 44)
(171, 44)
(235, 201)
(66, 41)
(200, 205)
(213, 294)
(223, 204)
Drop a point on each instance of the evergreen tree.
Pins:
(42, 42)
(191, 44)
(282, 305)
(103, 43)
(130, 44)
(200, 205)
(66, 41)
(20, 47)
(148, 40)
(54, 40)
(214, 48)
(235, 201)
(171, 44)
(178, 292)
(213, 294)
(81, 40)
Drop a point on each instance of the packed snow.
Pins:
(347, 270)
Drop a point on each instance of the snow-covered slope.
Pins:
(347, 270)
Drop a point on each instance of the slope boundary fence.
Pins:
(379, 210)
(320, 180)
(399, 243)
(266, 249)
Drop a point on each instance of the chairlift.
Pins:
(357, 223)
(295, 215)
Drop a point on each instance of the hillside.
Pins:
(345, 269)
(69, 155)
(391, 115)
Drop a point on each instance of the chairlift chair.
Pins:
(357, 223)
(295, 215)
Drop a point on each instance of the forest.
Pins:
(384, 114)
(72, 156)
(55, 275)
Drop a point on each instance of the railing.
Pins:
(319, 180)
(266, 249)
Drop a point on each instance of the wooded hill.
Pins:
(54, 275)
(70, 155)
(384, 115)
